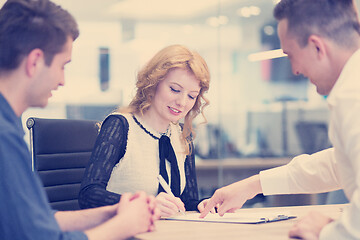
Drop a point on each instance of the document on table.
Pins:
(238, 217)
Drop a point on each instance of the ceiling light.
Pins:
(276, 1)
(212, 21)
(217, 21)
(266, 55)
(244, 12)
(269, 30)
(247, 12)
(255, 10)
(223, 20)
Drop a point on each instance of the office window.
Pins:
(255, 105)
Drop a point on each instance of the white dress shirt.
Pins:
(334, 168)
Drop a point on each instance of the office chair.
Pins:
(60, 150)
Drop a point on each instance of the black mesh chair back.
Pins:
(60, 150)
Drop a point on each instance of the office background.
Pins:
(258, 108)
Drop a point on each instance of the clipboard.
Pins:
(237, 218)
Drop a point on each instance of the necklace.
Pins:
(166, 133)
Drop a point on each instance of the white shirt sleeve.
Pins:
(304, 174)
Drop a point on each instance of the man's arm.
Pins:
(134, 214)
(296, 177)
(84, 219)
(304, 174)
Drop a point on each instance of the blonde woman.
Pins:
(138, 143)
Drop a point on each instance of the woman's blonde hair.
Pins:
(174, 56)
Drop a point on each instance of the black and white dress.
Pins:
(126, 159)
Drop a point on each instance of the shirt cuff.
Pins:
(327, 232)
(274, 181)
(335, 230)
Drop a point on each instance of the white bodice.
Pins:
(139, 167)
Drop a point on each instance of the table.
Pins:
(176, 230)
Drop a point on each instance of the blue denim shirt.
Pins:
(24, 210)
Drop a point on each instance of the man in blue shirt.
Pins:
(36, 39)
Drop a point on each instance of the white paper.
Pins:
(239, 217)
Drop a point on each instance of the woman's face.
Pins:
(175, 96)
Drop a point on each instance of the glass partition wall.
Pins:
(118, 37)
(258, 108)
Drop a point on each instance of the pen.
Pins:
(167, 188)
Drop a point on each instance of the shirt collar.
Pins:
(343, 78)
(9, 114)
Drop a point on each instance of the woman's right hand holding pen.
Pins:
(168, 205)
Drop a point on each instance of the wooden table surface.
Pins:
(186, 230)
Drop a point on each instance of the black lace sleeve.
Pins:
(109, 148)
(190, 195)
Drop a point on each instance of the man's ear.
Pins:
(34, 61)
(318, 45)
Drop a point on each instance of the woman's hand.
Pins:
(168, 205)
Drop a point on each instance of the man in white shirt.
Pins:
(322, 41)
